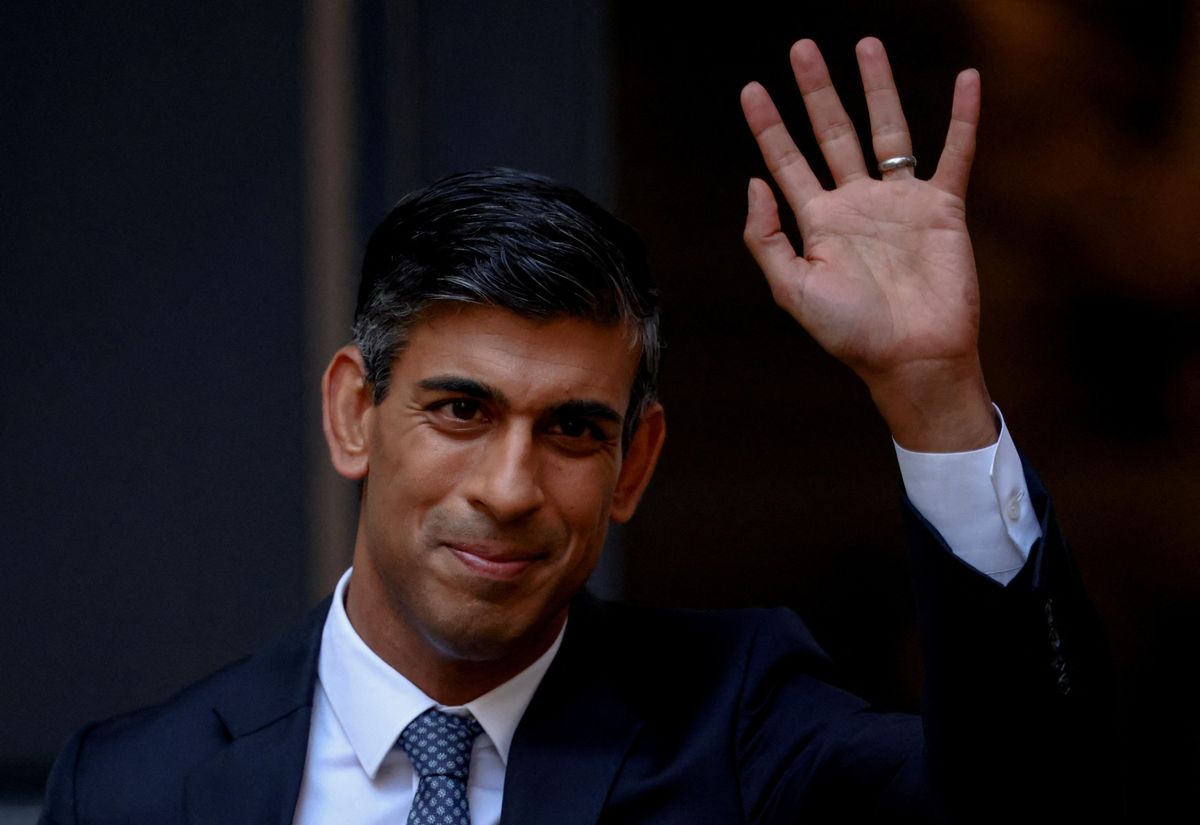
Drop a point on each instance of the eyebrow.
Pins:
(463, 386)
(584, 408)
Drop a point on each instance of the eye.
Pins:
(579, 431)
(462, 409)
(459, 412)
(576, 428)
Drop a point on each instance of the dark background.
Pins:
(157, 167)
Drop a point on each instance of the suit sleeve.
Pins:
(1018, 690)
(808, 751)
(1014, 722)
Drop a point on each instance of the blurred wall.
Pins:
(150, 242)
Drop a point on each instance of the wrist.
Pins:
(937, 408)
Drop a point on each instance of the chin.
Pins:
(493, 638)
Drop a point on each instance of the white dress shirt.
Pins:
(354, 772)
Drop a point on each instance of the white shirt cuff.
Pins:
(977, 501)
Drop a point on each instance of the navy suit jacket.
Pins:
(684, 717)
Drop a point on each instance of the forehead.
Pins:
(533, 361)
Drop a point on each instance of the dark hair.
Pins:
(512, 240)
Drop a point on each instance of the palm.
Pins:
(887, 276)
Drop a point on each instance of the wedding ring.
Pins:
(899, 162)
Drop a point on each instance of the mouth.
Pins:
(493, 561)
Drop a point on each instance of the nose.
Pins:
(505, 482)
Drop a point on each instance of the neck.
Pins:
(442, 674)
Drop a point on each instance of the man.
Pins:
(497, 408)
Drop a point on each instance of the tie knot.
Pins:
(439, 743)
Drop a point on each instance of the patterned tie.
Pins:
(439, 745)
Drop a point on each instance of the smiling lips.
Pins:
(493, 561)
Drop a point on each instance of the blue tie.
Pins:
(439, 745)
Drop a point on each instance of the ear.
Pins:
(347, 405)
(638, 464)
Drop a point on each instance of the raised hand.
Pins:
(886, 282)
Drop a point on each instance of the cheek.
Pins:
(423, 465)
(406, 482)
(584, 494)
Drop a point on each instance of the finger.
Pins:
(789, 168)
(831, 125)
(772, 250)
(954, 166)
(889, 129)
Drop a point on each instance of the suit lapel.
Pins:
(575, 734)
(256, 779)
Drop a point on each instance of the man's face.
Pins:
(492, 469)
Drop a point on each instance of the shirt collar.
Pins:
(373, 702)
